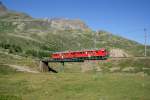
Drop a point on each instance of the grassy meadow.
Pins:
(72, 86)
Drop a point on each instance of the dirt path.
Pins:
(23, 68)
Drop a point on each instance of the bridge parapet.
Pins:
(44, 67)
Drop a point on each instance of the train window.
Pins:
(89, 52)
(73, 53)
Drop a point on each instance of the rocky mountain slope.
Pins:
(2, 7)
(27, 36)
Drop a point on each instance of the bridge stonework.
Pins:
(44, 66)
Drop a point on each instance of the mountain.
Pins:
(65, 24)
(21, 34)
(3, 9)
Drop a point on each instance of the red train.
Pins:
(100, 54)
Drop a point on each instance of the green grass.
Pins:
(5, 70)
(73, 86)
(10, 59)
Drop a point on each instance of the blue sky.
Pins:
(126, 18)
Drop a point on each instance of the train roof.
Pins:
(80, 50)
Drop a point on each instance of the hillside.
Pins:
(24, 40)
(27, 36)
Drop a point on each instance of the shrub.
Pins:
(11, 47)
(37, 53)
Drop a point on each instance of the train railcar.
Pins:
(100, 54)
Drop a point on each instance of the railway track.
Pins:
(80, 60)
(141, 57)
